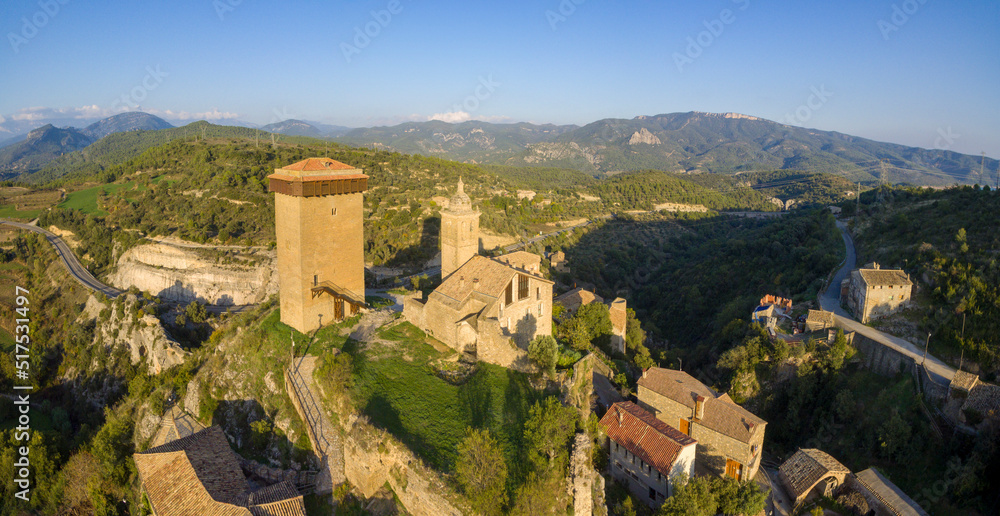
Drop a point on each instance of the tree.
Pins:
(692, 497)
(544, 351)
(547, 432)
(196, 312)
(739, 498)
(482, 471)
(893, 435)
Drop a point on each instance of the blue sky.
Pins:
(924, 74)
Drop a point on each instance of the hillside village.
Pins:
(564, 395)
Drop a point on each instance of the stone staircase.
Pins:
(323, 435)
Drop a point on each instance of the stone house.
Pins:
(875, 292)
(558, 262)
(819, 320)
(200, 474)
(574, 299)
(811, 471)
(646, 453)
(730, 438)
(619, 324)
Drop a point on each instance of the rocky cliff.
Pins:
(126, 325)
(184, 274)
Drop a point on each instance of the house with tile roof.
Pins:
(730, 438)
(201, 475)
(874, 292)
(490, 306)
(647, 454)
(809, 473)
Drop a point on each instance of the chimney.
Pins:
(619, 411)
(644, 371)
(699, 407)
(461, 281)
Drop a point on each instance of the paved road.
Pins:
(539, 238)
(75, 268)
(830, 300)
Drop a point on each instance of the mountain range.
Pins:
(44, 144)
(690, 143)
(686, 143)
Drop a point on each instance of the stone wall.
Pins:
(372, 457)
(882, 359)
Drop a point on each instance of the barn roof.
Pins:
(884, 277)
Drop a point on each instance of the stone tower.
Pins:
(319, 225)
(459, 232)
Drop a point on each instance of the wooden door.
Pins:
(733, 469)
(685, 427)
(338, 309)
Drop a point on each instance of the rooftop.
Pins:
(578, 297)
(806, 467)
(480, 274)
(199, 474)
(963, 380)
(619, 315)
(720, 413)
(884, 277)
(890, 495)
(317, 164)
(655, 442)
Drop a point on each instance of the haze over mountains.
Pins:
(687, 143)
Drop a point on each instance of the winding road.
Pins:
(72, 264)
(830, 300)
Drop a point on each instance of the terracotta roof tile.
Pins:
(655, 442)
(720, 414)
(521, 259)
(806, 467)
(965, 381)
(200, 474)
(480, 274)
(619, 316)
(314, 164)
(328, 177)
(890, 495)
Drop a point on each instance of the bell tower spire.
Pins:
(459, 232)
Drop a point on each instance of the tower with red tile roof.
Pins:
(319, 225)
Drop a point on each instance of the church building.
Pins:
(492, 306)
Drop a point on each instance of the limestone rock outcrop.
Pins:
(182, 274)
(644, 136)
(144, 336)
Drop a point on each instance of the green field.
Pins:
(86, 200)
(10, 211)
(395, 386)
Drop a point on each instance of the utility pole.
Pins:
(924, 363)
(857, 211)
(982, 164)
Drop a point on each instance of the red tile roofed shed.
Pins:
(655, 442)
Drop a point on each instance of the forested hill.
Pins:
(214, 189)
(947, 241)
(678, 142)
(643, 190)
